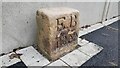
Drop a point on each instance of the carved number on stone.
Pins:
(66, 27)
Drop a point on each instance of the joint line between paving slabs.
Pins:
(89, 55)
(84, 44)
(65, 63)
(84, 53)
(47, 64)
(18, 57)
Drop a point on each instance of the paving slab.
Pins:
(58, 63)
(90, 49)
(108, 22)
(95, 27)
(42, 62)
(30, 56)
(75, 58)
(7, 61)
(82, 42)
(90, 29)
(79, 40)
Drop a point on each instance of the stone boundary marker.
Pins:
(57, 31)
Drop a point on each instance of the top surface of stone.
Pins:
(57, 11)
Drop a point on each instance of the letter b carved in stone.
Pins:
(57, 31)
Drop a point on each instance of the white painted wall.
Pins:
(113, 10)
(90, 12)
(0, 27)
(19, 23)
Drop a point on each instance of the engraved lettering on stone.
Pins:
(66, 30)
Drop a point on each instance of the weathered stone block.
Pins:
(57, 31)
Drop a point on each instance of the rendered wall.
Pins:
(19, 20)
(113, 10)
(0, 27)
